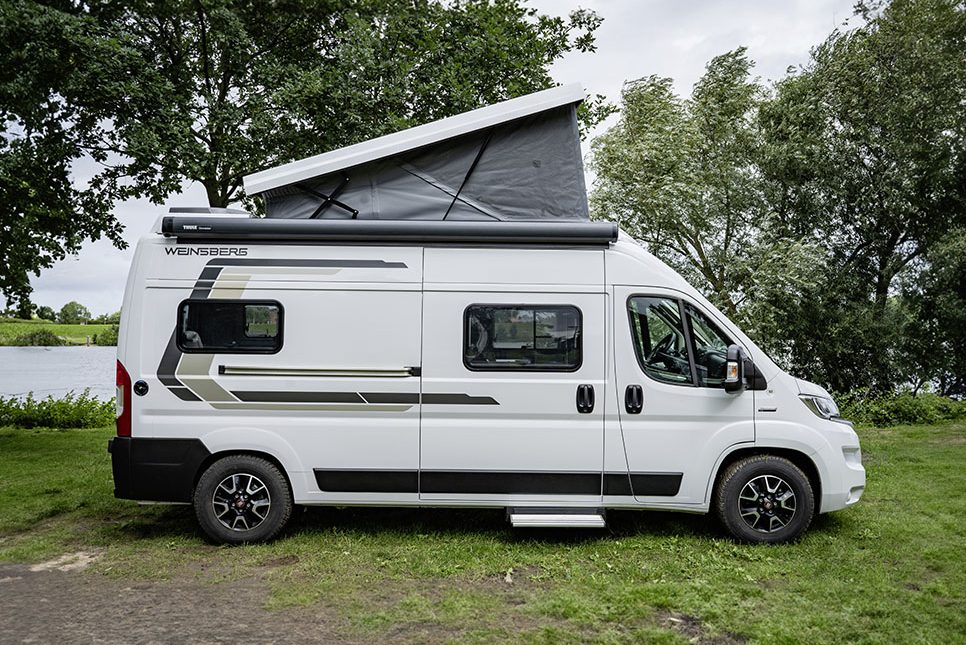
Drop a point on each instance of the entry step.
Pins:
(536, 517)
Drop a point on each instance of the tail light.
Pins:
(122, 402)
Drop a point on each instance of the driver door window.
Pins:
(710, 348)
(659, 339)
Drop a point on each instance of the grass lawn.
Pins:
(892, 569)
(73, 334)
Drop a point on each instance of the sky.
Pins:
(672, 38)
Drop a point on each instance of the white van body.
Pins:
(369, 399)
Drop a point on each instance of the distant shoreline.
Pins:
(43, 333)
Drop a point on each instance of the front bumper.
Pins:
(851, 480)
(156, 470)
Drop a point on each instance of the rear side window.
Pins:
(230, 326)
(544, 338)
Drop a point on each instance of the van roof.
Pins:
(412, 138)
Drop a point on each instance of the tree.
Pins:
(162, 93)
(108, 319)
(46, 313)
(73, 313)
(864, 152)
(934, 338)
(682, 177)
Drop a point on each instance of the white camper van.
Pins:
(550, 367)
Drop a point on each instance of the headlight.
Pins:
(821, 405)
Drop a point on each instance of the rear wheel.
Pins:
(765, 499)
(241, 498)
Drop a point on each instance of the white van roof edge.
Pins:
(412, 138)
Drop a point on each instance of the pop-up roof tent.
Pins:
(516, 160)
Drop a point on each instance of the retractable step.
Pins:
(535, 517)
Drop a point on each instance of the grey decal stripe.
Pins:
(172, 354)
(343, 264)
(299, 397)
(183, 393)
(410, 398)
(169, 362)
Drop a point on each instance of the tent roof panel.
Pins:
(412, 138)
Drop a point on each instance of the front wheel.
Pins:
(241, 498)
(765, 499)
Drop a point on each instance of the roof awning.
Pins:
(516, 160)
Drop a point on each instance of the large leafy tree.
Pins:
(864, 150)
(155, 94)
(682, 176)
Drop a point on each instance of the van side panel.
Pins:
(523, 441)
(338, 395)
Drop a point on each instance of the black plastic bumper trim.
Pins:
(155, 469)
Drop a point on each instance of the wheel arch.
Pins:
(217, 456)
(800, 459)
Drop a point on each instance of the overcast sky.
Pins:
(673, 38)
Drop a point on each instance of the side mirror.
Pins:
(735, 370)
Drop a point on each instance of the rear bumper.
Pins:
(156, 470)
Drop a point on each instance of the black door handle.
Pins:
(634, 399)
(585, 399)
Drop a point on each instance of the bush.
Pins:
(39, 338)
(72, 411)
(107, 338)
(899, 409)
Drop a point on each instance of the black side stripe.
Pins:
(643, 484)
(299, 397)
(496, 482)
(367, 481)
(508, 483)
(204, 283)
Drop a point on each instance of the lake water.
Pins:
(57, 370)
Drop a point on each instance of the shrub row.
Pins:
(899, 409)
(70, 411)
(39, 338)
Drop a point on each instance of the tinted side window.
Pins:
(710, 348)
(230, 326)
(522, 337)
(659, 339)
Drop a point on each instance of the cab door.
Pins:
(676, 418)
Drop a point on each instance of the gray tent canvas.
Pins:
(516, 160)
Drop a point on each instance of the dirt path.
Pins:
(51, 605)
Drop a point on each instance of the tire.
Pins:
(232, 496)
(766, 518)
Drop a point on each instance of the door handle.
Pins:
(634, 399)
(585, 399)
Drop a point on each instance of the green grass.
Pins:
(892, 569)
(11, 330)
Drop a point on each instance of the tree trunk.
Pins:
(216, 198)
